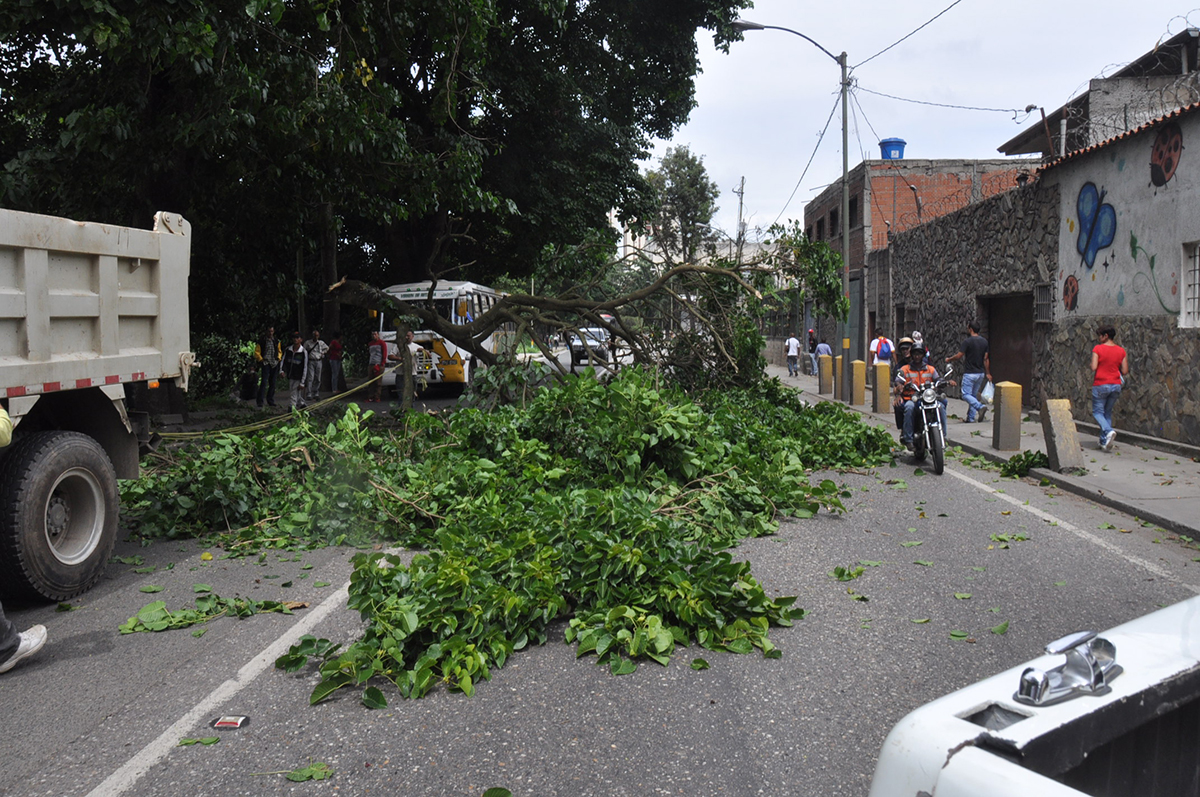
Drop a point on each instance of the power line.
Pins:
(1015, 111)
(893, 44)
(810, 160)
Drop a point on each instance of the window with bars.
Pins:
(1189, 311)
(1043, 303)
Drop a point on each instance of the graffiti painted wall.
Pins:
(1129, 210)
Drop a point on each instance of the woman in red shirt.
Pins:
(1110, 366)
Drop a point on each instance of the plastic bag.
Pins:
(989, 393)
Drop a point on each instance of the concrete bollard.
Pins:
(1006, 417)
(825, 373)
(881, 386)
(858, 382)
(1062, 440)
(837, 378)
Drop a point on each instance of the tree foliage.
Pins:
(449, 137)
(685, 201)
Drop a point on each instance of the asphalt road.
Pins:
(98, 713)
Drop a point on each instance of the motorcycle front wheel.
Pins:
(937, 451)
(919, 447)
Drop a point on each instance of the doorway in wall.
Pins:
(1008, 322)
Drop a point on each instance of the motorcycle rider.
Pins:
(910, 379)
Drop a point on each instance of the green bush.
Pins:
(223, 361)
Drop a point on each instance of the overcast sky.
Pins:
(762, 107)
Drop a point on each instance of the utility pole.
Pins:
(741, 234)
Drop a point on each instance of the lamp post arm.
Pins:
(745, 24)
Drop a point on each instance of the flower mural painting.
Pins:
(1164, 155)
(1097, 223)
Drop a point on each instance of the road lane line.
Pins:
(133, 769)
(1078, 532)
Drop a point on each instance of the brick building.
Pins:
(888, 197)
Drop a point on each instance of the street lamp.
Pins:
(843, 326)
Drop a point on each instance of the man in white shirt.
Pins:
(882, 350)
(792, 349)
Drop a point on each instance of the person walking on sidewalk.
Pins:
(812, 350)
(15, 646)
(316, 349)
(883, 350)
(977, 366)
(1110, 367)
(791, 348)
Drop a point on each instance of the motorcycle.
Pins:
(929, 435)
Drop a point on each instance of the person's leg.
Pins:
(272, 378)
(1110, 401)
(907, 432)
(314, 388)
(970, 386)
(942, 415)
(1099, 400)
(335, 375)
(9, 638)
(813, 356)
(265, 372)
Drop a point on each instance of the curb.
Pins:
(1061, 480)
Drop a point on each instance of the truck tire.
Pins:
(58, 515)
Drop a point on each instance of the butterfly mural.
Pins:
(1097, 223)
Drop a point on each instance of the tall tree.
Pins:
(685, 201)
(448, 137)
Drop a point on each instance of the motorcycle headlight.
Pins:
(929, 394)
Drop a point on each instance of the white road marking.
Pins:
(133, 769)
(1083, 534)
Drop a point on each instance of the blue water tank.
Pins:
(892, 149)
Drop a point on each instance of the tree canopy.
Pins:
(442, 137)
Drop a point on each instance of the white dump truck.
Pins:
(91, 315)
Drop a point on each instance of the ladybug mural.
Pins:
(1164, 155)
(1070, 293)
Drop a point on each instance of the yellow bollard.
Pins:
(824, 373)
(858, 382)
(881, 386)
(1006, 417)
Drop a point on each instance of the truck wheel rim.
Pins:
(74, 516)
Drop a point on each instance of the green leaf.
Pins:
(623, 667)
(317, 771)
(496, 791)
(911, 543)
(199, 632)
(150, 588)
(330, 685)
(963, 596)
(1000, 629)
(959, 635)
(699, 664)
(372, 698)
(207, 741)
(65, 607)
(923, 563)
(921, 621)
(201, 588)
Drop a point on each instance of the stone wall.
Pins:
(1001, 246)
(1162, 397)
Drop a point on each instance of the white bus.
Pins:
(441, 362)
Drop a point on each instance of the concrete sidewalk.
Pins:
(1156, 481)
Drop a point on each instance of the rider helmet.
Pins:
(917, 351)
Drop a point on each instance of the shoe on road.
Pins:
(31, 642)
(982, 414)
(1108, 440)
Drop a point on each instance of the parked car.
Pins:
(594, 339)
